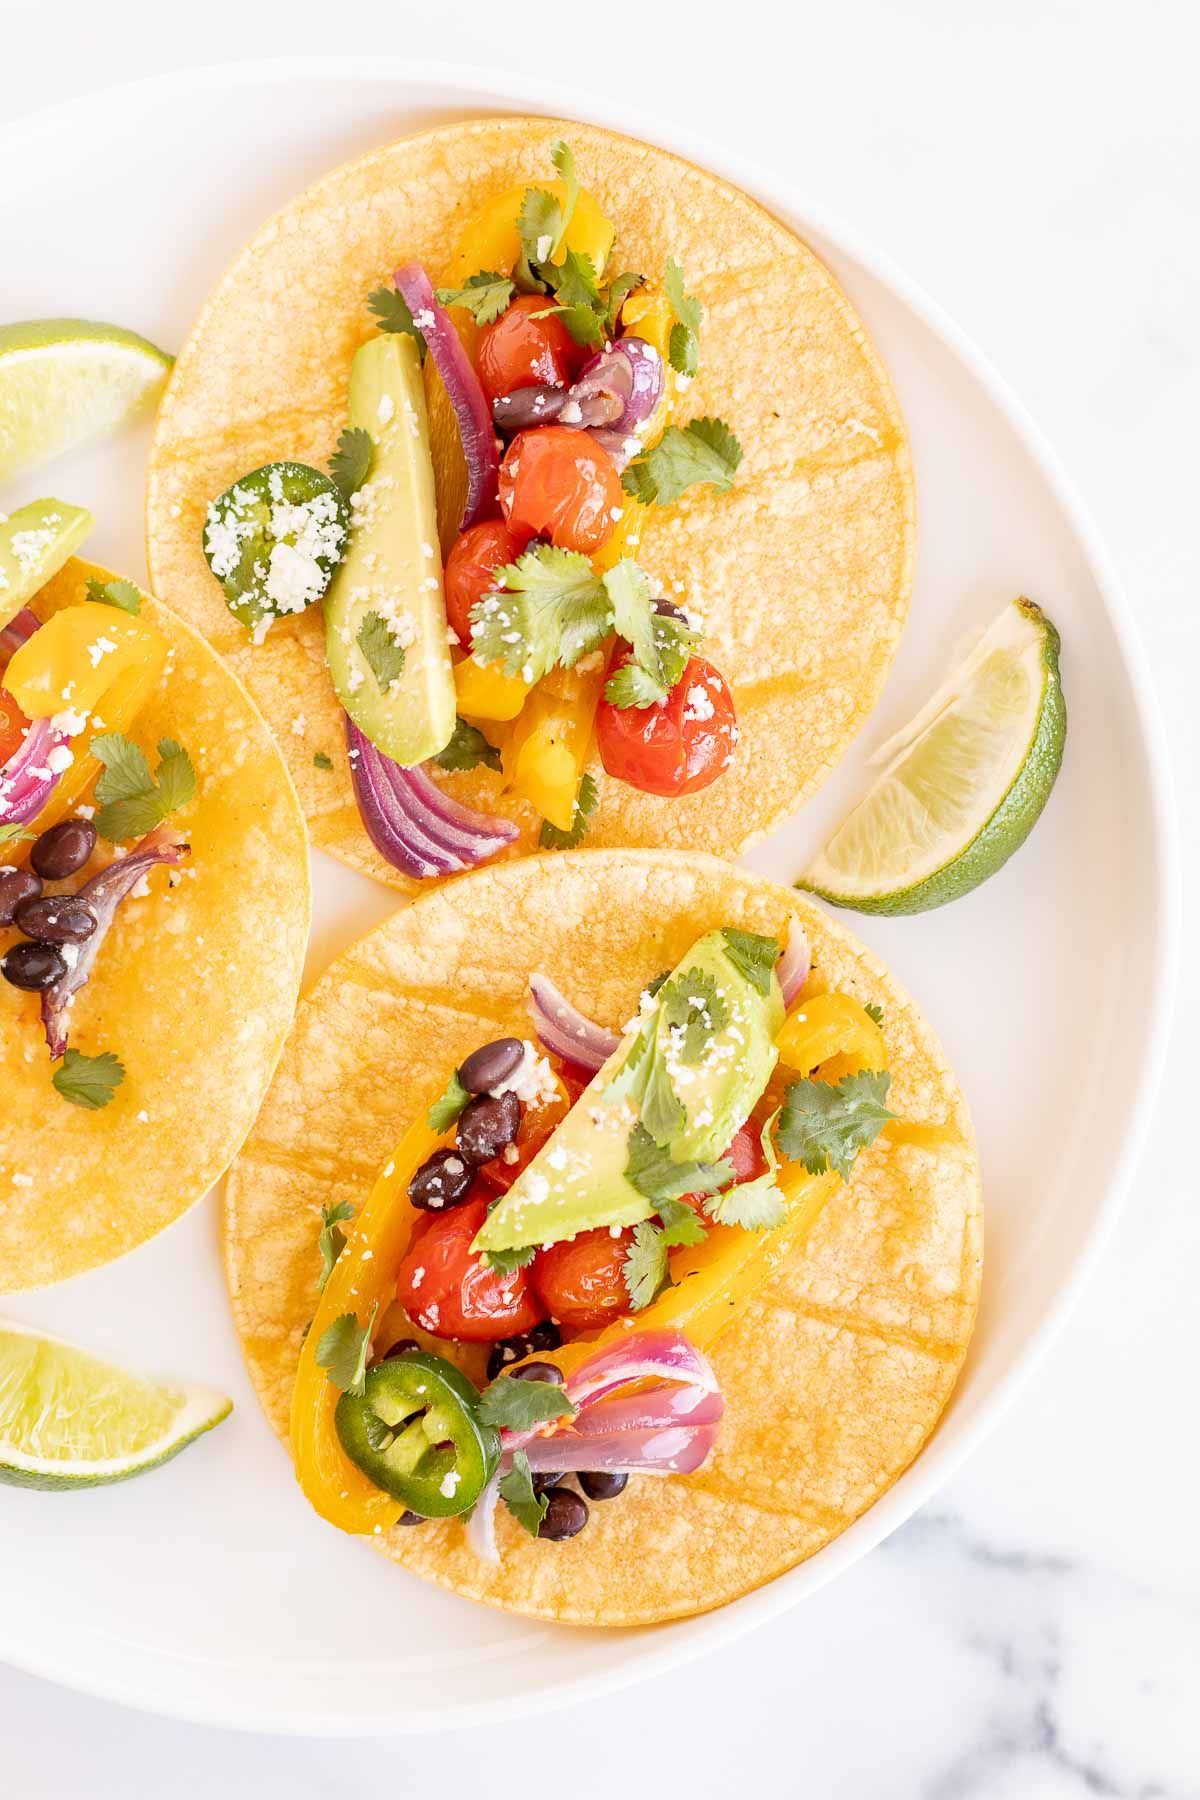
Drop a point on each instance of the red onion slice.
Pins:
(18, 631)
(26, 780)
(564, 1030)
(462, 385)
(104, 893)
(675, 1450)
(793, 966)
(614, 394)
(658, 1406)
(640, 1357)
(412, 823)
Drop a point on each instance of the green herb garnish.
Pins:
(321, 761)
(332, 1240)
(516, 1405)
(825, 1124)
(550, 837)
(516, 1491)
(553, 609)
(380, 649)
(343, 1349)
(652, 1172)
(121, 594)
(684, 345)
(131, 800)
(351, 462)
(467, 749)
(753, 956)
(485, 296)
(704, 451)
(88, 1081)
(392, 311)
(694, 1006)
(756, 1205)
(444, 1111)
(874, 1011)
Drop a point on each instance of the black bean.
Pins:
(64, 849)
(399, 1347)
(539, 1371)
(667, 609)
(542, 1483)
(488, 1125)
(598, 1485)
(491, 1064)
(566, 1515)
(56, 919)
(33, 967)
(527, 406)
(442, 1181)
(545, 1336)
(408, 1517)
(16, 885)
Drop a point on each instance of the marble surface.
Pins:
(1035, 1635)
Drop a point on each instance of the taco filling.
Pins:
(526, 404)
(528, 1296)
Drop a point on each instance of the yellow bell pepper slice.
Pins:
(825, 1026)
(547, 753)
(484, 691)
(646, 314)
(72, 660)
(493, 241)
(363, 1277)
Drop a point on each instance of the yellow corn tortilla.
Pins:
(193, 989)
(801, 574)
(834, 1377)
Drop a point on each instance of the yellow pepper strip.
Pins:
(363, 1276)
(76, 656)
(492, 242)
(484, 691)
(646, 314)
(824, 1026)
(548, 751)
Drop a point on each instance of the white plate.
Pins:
(208, 1590)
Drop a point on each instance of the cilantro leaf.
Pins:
(683, 350)
(683, 347)
(652, 1172)
(384, 655)
(351, 462)
(645, 1271)
(121, 594)
(15, 834)
(332, 1240)
(662, 1111)
(444, 1111)
(516, 1491)
(467, 749)
(586, 800)
(753, 956)
(89, 1081)
(824, 1124)
(630, 685)
(704, 451)
(661, 641)
(342, 1351)
(131, 800)
(485, 296)
(393, 313)
(549, 608)
(564, 162)
(574, 283)
(512, 1404)
(618, 293)
(629, 1081)
(680, 1224)
(874, 1011)
(756, 1205)
(321, 761)
(540, 224)
(503, 1262)
(581, 322)
(696, 1009)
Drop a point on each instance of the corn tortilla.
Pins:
(835, 1375)
(801, 574)
(193, 989)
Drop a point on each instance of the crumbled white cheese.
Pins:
(532, 1080)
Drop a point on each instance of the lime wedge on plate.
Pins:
(68, 1420)
(964, 783)
(63, 381)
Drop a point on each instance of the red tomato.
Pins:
(746, 1155)
(450, 1294)
(582, 1281)
(678, 746)
(13, 726)
(470, 568)
(519, 350)
(558, 484)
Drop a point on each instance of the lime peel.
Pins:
(64, 382)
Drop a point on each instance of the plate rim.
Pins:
(1162, 954)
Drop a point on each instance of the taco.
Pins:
(610, 1238)
(153, 907)
(618, 530)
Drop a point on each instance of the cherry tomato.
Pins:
(746, 1155)
(678, 746)
(558, 484)
(582, 1281)
(519, 350)
(537, 1122)
(13, 726)
(470, 568)
(449, 1293)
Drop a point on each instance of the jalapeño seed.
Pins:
(491, 1064)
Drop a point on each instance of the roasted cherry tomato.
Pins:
(13, 726)
(520, 350)
(470, 571)
(558, 484)
(449, 1293)
(746, 1155)
(582, 1280)
(678, 746)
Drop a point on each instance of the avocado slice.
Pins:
(385, 611)
(707, 1078)
(35, 542)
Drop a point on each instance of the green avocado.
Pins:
(385, 611)
(690, 1069)
(35, 542)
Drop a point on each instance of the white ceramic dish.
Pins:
(208, 1591)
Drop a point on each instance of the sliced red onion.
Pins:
(103, 894)
(675, 1450)
(412, 823)
(27, 780)
(615, 393)
(640, 1356)
(564, 1030)
(793, 966)
(18, 631)
(462, 385)
(674, 1403)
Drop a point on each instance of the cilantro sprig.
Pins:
(684, 344)
(661, 641)
(549, 608)
(15, 834)
(88, 1081)
(650, 1170)
(516, 1491)
(696, 1009)
(446, 1109)
(512, 1404)
(332, 1239)
(383, 654)
(550, 837)
(392, 313)
(758, 1204)
(825, 1124)
(342, 1351)
(752, 955)
(705, 451)
(121, 594)
(647, 1269)
(485, 296)
(351, 462)
(467, 749)
(131, 800)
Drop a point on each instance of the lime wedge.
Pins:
(63, 381)
(964, 782)
(68, 1420)
(35, 542)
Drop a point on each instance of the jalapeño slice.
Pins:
(273, 540)
(415, 1432)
